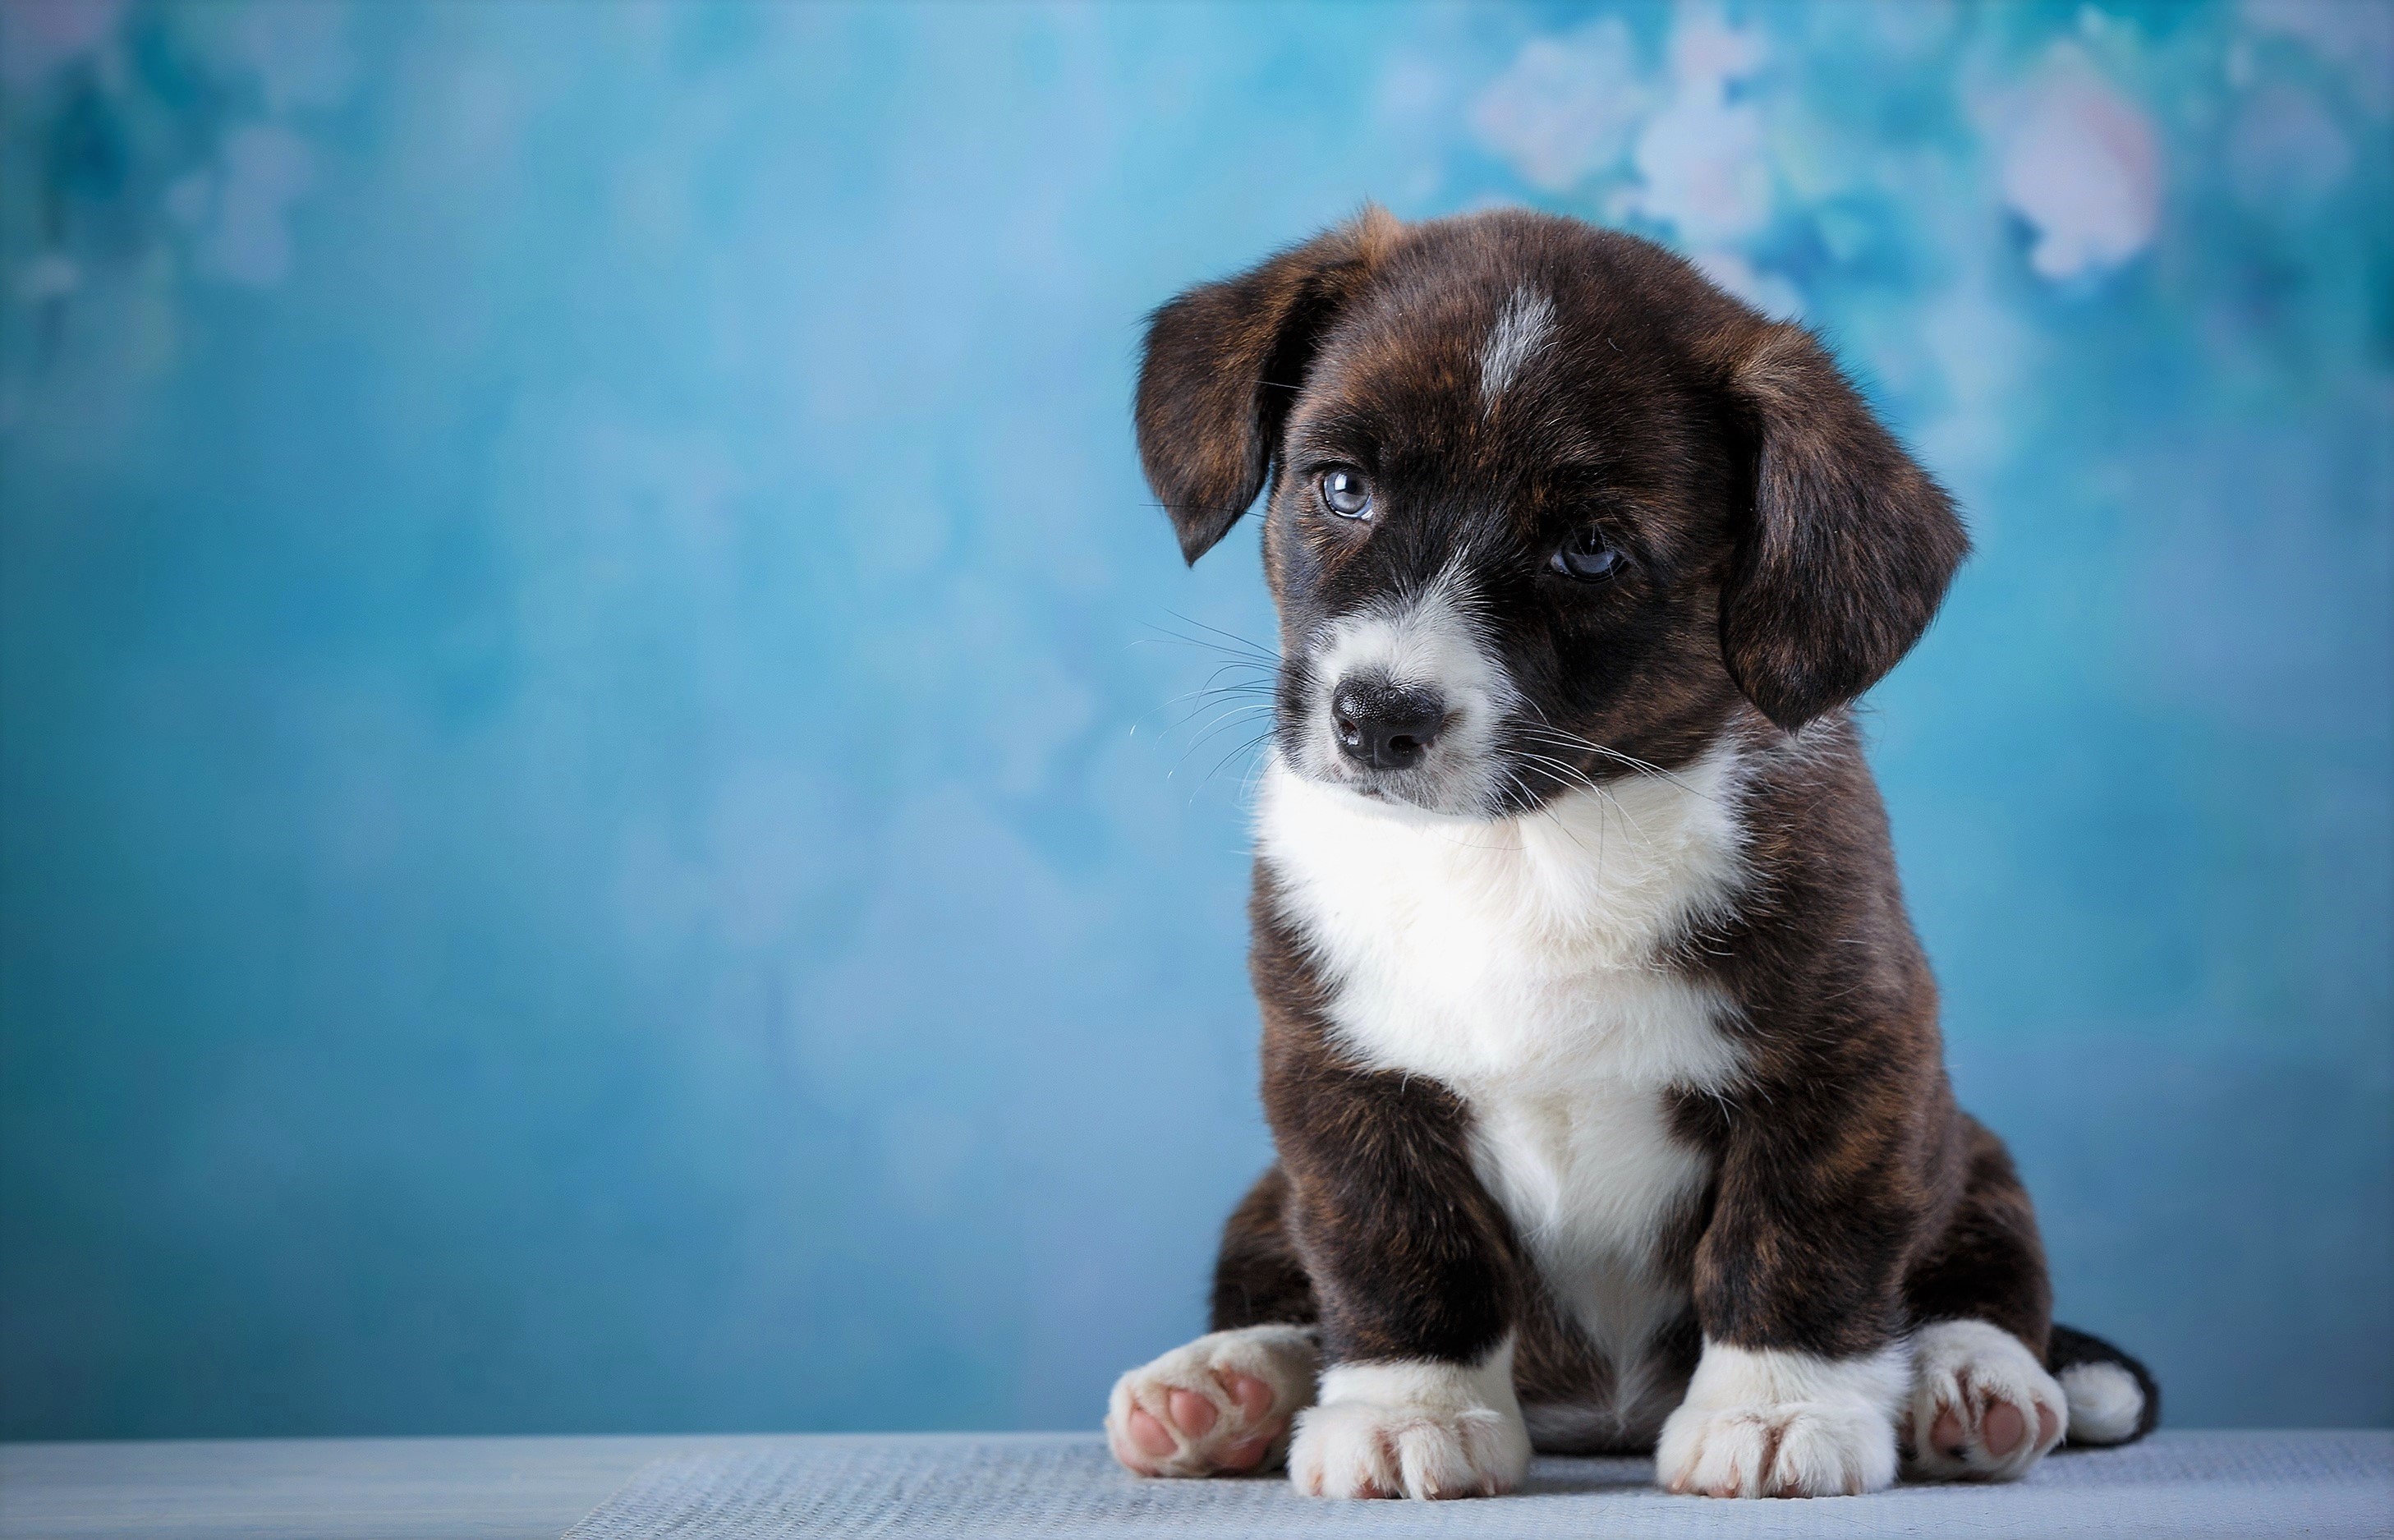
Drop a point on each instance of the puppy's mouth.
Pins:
(1409, 793)
(1400, 790)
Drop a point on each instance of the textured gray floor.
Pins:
(2185, 1486)
(321, 1488)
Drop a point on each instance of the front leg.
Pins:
(1412, 1264)
(1798, 1289)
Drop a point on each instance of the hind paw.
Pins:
(1982, 1407)
(1220, 1405)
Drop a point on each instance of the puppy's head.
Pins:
(1543, 506)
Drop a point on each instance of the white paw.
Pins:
(1982, 1407)
(1415, 1430)
(1767, 1423)
(1221, 1404)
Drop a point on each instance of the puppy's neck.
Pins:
(1604, 876)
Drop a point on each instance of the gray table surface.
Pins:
(515, 1489)
(324, 1489)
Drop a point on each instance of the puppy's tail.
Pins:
(2112, 1397)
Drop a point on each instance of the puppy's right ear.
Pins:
(1223, 363)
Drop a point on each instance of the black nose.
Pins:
(1386, 726)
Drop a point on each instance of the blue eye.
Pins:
(1345, 492)
(1585, 556)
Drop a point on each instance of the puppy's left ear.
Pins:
(1849, 545)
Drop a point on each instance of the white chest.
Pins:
(1515, 962)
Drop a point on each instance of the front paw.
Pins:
(1805, 1450)
(1423, 1430)
(1776, 1423)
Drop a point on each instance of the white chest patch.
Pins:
(1515, 963)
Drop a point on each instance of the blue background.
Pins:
(592, 830)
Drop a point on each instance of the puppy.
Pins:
(1599, 1055)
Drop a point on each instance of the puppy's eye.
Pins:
(1345, 492)
(1586, 555)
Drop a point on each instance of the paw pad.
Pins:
(1982, 1407)
(1220, 1405)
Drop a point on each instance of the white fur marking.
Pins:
(2105, 1402)
(1414, 1428)
(1518, 953)
(1767, 1423)
(1514, 963)
(1426, 640)
(1522, 326)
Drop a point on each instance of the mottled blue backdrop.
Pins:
(591, 833)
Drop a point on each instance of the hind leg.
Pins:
(1983, 1405)
(1224, 1403)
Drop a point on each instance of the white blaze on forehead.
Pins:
(1523, 327)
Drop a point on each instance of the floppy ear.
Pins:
(1222, 364)
(1849, 545)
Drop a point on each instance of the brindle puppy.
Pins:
(1601, 1056)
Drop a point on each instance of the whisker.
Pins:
(1562, 770)
(1241, 685)
(1261, 689)
(1532, 804)
(1204, 697)
(1554, 734)
(1612, 801)
(1643, 766)
(1568, 773)
(1213, 698)
(1233, 659)
(1206, 733)
(1247, 747)
(1218, 723)
(1232, 656)
(1214, 687)
(1256, 766)
(1253, 649)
